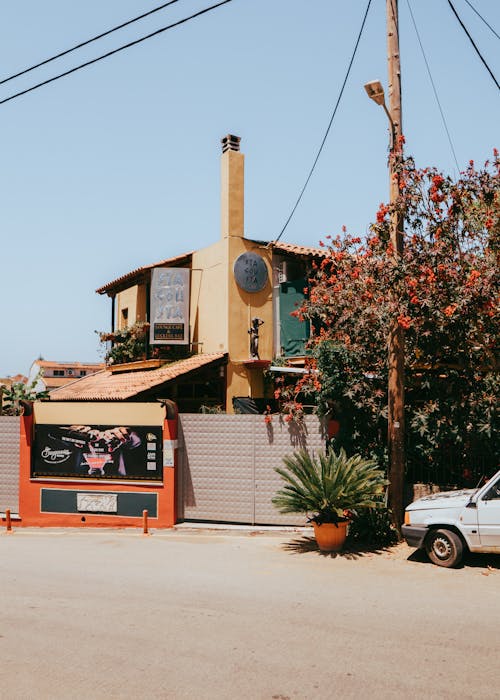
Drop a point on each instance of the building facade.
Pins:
(52, 375)
(228, 305)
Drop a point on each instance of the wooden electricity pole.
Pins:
(396, 342)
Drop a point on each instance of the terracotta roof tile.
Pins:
(289, 248)
(53, 382)
(47, 364)
(104, 386)
(299, 249)
(110, 286)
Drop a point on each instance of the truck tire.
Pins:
(444, 548)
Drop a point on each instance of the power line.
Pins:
(88, 41)
(433, 86)
(481, 17)
(473, 44)
(114, 51)
(329, 124)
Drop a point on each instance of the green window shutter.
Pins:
(293, 333)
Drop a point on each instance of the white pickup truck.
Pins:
(448, 524)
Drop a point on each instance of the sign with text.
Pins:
(169, 306)
(98, 452)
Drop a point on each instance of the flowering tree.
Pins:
(444, 292)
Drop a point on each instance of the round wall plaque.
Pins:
(250, 272)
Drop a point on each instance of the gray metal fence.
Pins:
(9, 463)
(226, 465)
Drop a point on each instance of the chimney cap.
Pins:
(230, 143)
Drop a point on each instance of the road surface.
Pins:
(204, 614)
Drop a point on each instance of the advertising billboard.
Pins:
(98, 452)
(169, 306)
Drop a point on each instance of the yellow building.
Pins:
(214, 318)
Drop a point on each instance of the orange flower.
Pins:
(474, 275)
(450, 310)
(404, 321)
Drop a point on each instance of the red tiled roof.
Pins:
(47, 364)
(53, 382)
(105, 386)
(16, 379)
(289, 248)
(119, 281)
(299, 249)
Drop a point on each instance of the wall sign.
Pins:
(96, 502)
(169, 315)
(98, 452)
(250, 272)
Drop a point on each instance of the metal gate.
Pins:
(9, 463)
(226, 466)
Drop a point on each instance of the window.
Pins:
(83, 372)
(494, 491)
(58, 373)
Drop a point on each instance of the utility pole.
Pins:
(396, 341)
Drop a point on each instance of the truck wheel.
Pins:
(444, 548)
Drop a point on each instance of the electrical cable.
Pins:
(473, 44)
(482, 18)
(433, 86)
(88, 41)
(329, 124)
(114, 51)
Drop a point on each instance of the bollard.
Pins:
(145, 522)
(8, 521)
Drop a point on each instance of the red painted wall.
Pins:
(30, 491)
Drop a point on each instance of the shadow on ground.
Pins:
(304, 545)
(471, 561)
(308, 544)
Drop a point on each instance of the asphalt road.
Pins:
(202, 615)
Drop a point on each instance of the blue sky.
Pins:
(117, 166)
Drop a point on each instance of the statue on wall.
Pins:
(254, 338)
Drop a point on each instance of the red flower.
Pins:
(382, 211)
(404, 321)
(474, 275)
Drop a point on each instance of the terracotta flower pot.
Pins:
(330, 536)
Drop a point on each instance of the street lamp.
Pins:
(375, 92)
(395, 340)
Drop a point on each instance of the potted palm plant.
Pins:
(329, 488)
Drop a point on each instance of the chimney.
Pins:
(232, 187)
